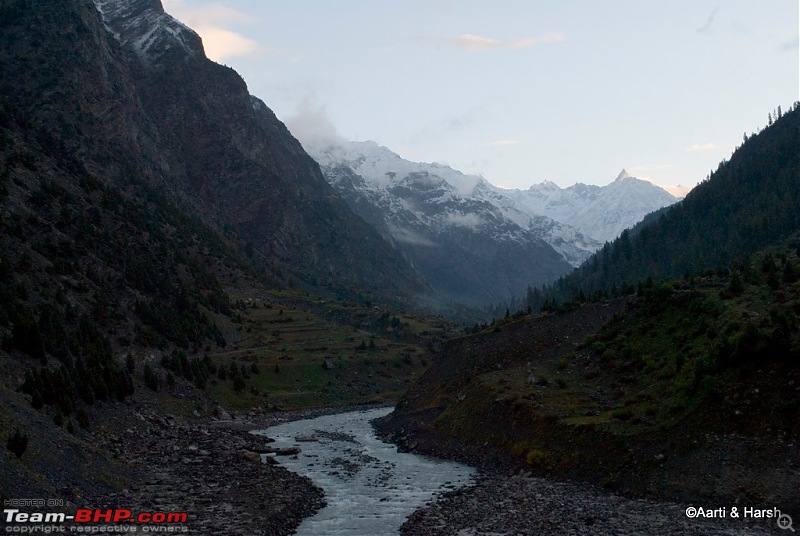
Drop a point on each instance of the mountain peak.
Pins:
(623, 175)
(547, 184)
(144, 27)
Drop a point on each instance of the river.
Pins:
(370, 488)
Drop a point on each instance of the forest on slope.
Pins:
(750, 201)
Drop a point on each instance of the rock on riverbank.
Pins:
(207, 469)
(522, 505)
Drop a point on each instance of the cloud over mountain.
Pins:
(476, 42)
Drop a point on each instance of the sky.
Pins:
(519, 91)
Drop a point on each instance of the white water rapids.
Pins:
(370, 488)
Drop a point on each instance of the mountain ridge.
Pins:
(424, 206)
(225, 152)
(146, 202)
(472, 248)
(601, 212)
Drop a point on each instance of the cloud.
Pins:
(214, 23)
(470, 221)
(401, 234)
(678, 190)
(646, 173)
(476, 42)
(220, 44)
(312, 126)
(701, 148)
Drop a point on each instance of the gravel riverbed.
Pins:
(208, 469)
(522, 505)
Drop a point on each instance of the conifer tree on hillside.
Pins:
(749, 202)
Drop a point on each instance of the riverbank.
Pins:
(209, 468)
(204, 467)
(147, 456)
(523, 505)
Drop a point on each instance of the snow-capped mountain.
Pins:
(465, 200)
(474, 242)
(601, 212)
(468, 240)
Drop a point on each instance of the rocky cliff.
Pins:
(128, 90)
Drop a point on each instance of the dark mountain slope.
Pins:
(187, 126)
(689, 392)
(751, 201)
(229, 151)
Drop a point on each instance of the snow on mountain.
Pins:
(451, 198)
(601, 212)
(474, 242)
(382, 168)
(471, 244)
(144, 27)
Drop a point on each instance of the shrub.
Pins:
(520, 448)
(535, 457)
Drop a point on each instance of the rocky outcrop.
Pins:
(144, 27)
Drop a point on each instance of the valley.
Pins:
(181, 276)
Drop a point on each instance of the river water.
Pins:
(370, 488)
